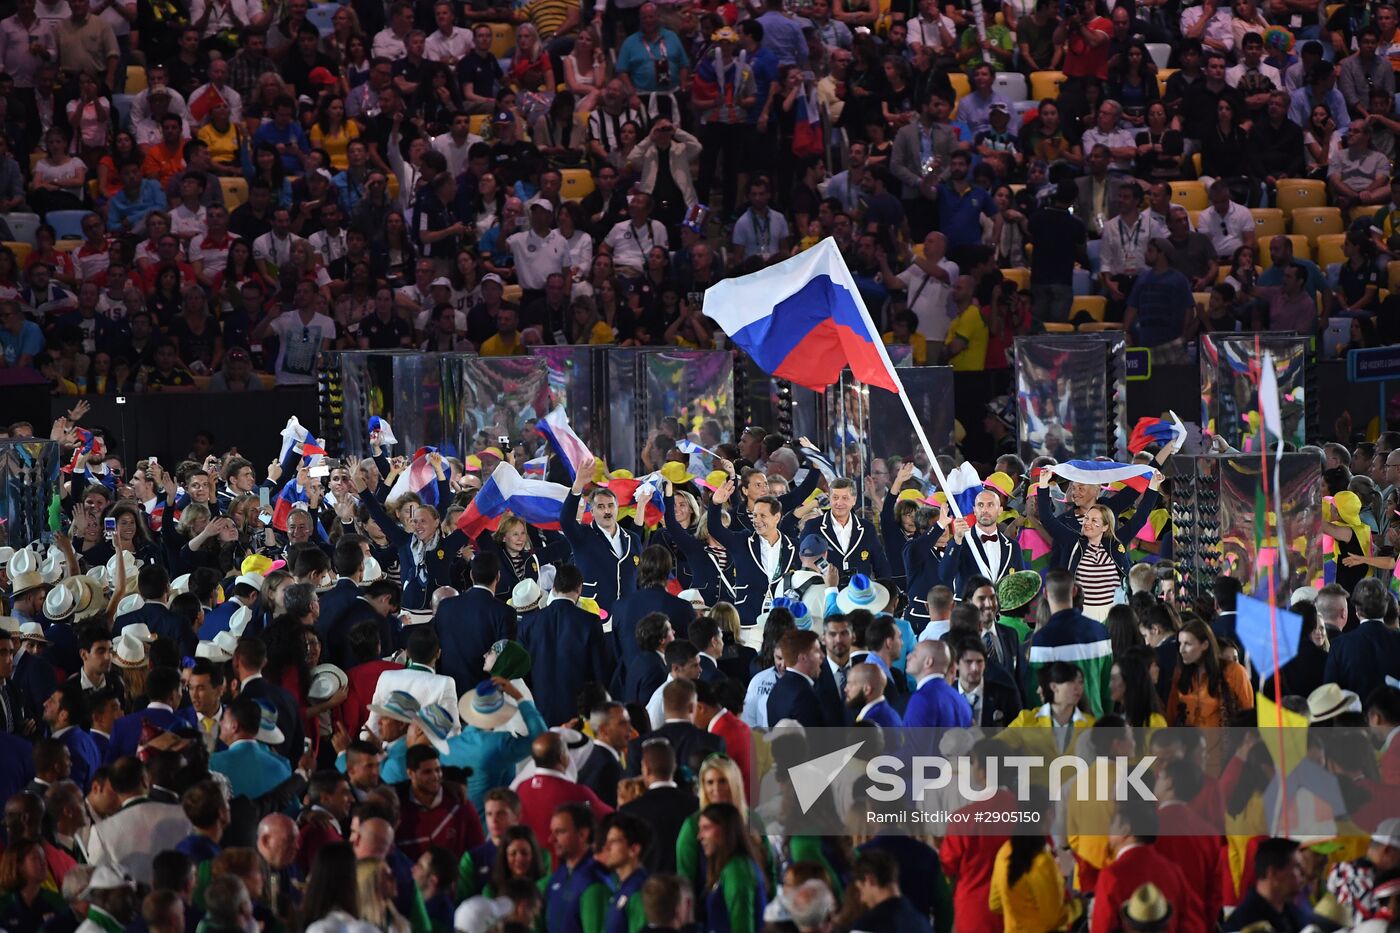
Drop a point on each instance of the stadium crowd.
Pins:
(307, 702)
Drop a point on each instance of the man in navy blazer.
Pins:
(865, 694)
(607, 553)
(1361, 659)
(650, 596)
(153, 586)
(934, 704)
(425, 555)
(249, 658)
(794, 696)
(999, 555)
(756, 558)
(648, 669)
(469, 624)
(163, 692)
(243, 594)
(986, 686)
(567, 649)
(333, 623)
(66, 716)
(851, 544)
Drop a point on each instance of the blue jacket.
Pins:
(695, 568)
(546, 547)
(467, 626)
(335, 602)
(923, 565)
(567, 650)
(1361, 659)
(936, 705)
(564, 895)
(883, 715)
(16, 764)
(161, 621)
(866, 553)
(960, 565)
(637, 605)
(492, 756)
(646, 672)
(251, 768)
(606, 576)
(82, 751)
(217, 620)
(126, 731)
(794, 697)
(750, 580)
(418, 584)
(32, 684)
(894, 539)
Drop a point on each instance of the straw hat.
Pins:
(10, 626)
(486, 707)
(53, 566)
(1330, 701)
(5, 554)
(180, 584)
(98, 575)
(692, 596)
(1147, 909)
(326, 681)
(1017, 588)
(863, 593)
(58, 604)
(370, 570)
(132, 568)
(227, 642)
(130, 603)
(129, 651)
(32, 631)
(88, 598)
(24, 572)
(139, 630)
(526, 595)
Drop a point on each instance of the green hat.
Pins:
(512, 660)
(1016, 589)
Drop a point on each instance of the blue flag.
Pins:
(1253, 626)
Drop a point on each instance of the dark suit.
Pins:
(437, 563)
(391, 636)
(567, 650)
(217, 620)
(690, 743)
(161, 621)
(694, 565)
(644, 675)
(33, 683)
(794, 697)
(288, 715)
(1084, 207)
(923, 565)
(959, 563)
(335, 602)
(600, 773)
(665, 810)
(1001, 700)
(1012, 661)
(467, 626)
(866, 554)
(607, 575)
(750, 580)
(637, 605)
(832, 697)
(709, 671)
(1361, 659)
(17, 765)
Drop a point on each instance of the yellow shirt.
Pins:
(916, 340)
(970, 326)
(496, 346)
(1036, 902)
(223, 147)
(336, 144)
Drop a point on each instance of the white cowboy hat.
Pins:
(255, 580)
(415, 616)
(326, 682)
(54, 566)
(525, 595)
(132, 568)
(863, 593)
(693, 597)
(1330, 701)
(211, 651)
(370, 570)
(128, 651)
(24, 572)
(59, 603)
(180, 584)
(486, 707)
(238, 621)
(33, 631)
(139, 630)
(130, 603)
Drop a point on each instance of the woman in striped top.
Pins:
(1097, 556)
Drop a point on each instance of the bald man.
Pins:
(865, 693)
(277, 844)
(935, 704)
(549, 788)
(372, 838)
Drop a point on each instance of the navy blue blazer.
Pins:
(161, 621)
(335, 602)
(288, 716)
(217, 620)
(467, 626)
(437, 563)
(739, 513)
(794, 697)
(646, 672)
(126, 731)
(600, 773)
(866, 553)
(637, 605)
(31, 686)
(607, 576)
(567, 650)
(1361, 659)
(16, 764)
(750, 580)
(893, 536)
(546, 547)
(695, 567)
(923, 565)
(959, 565)
(391, 637)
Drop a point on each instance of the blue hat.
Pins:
(863, 593)
(812, 546)
(801, 614)
(437, 724)
(267, 728)
(399, 705)
(486, 707)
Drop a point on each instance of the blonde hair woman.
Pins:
(719, 782)
(130, 659)
(375, 880)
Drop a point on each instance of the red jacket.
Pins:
(314, 835)
(1197, 849)
(544, 793)
(968, 857)
(738, 742)
(1390, 763)
(451, 822)
(1131, 870)
(363, 678)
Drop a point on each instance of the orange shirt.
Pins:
(162, 164)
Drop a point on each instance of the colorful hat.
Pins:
(1016, 589)
(437, 724)
(589, 604)
(863, 593)
(1001, 483)
(267, 728)
(486, 707)
(258, 563)
(676, 473)
(513, 661)
(400, 705)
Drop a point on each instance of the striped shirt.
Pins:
(548, 15)
(1097, 575)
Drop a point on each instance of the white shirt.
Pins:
(388, 45)
(329, 246)
(614, 540)
(928, 32)
(992, 549)
(769, 555)
(935, 629)
(656, 709)
(630, 244)
(220, 18)
(974, 700)
(1123, 248)
(760, 237)
(268, 248)
(214, 256)
(843, 532)
(1226, 233)
(1219, 27)
(440, 48)
(537, 257)
(928, 298)
(188, 224)
(455, 155)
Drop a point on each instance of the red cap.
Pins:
(321, 75)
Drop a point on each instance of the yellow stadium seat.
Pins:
(393, 186)
(1359, 211)
(1162, 75)
(512, 292)
(577, 184)
(67, 245)
(135, 79)
(476, 123)
(1221, 274)
(1329, 249)
(1202, 299)
(502, 39)
(1268, 221)
(1095, 305)
(1046, 84)
(235, 191)
(1294, 193)
(1190, 195)
(1021, 276)
(1313, 222)
(962, 86)
(581, 117)
(1302, 249)
(1196, 163)
(21, 251)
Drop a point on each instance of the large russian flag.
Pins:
(568, 445)
(1104, 472)
(535, 501)
(803, 320)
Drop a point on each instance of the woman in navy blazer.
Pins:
(522, 550)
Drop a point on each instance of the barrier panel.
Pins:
(864, 423)
(29, 478)
(1071, 396)
(1230, 386)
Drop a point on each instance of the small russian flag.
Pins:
(535, 501)
(963, 486)
(1157, 431)
(568, 445)
(289, 497)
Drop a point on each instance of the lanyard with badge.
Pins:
(1124, 246)
(661, 65)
